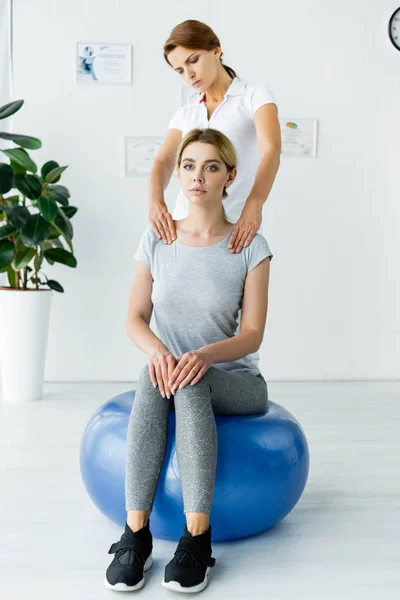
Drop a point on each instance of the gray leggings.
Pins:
(217, 393)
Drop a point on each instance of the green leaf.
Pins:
(60, 194)
(11, 276)
(63, 222)
(6, 253)
(60, 190)
(7, 230)
(9, 109)
(34, 231)
(48, 207)
(17, 215)
(29, 185)
(62, 256)
(12, 199)
(60, 199)
(57, 243)
(37, 263)
(22, 158)
(45, 246)
(54, 175)
(69, 211)
(23, 256)
(54, 232)
(64, 227)
(26, 141)
(17, 168)
(6, 178)
(47, 167)
(54, 285)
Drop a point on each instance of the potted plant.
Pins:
(35, 231)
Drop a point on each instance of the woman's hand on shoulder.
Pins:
(161, 366)
(246, 227)
(162, 221)
(190, 368)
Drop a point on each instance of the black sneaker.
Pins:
(132, 558)
(188, 570)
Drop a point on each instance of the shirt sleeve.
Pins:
(144, 252)
(261, 95)
(256, 252)
(177, 120)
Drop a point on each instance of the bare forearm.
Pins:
(234, 348)
(265, 176)
(143, 337)
(158, 180)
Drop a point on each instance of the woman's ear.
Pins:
(217, 53)
(231, 178)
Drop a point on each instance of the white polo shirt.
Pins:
(234, 117)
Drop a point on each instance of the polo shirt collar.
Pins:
(234, 89)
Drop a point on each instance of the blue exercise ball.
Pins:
(262, 469)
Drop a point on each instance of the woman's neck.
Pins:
(205, 223)
(217, 90)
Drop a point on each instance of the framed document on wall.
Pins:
(140, 153)
(299, 137)
(104, 63)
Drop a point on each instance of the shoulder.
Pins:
(182, 114)
(256, 251)
(148, 244)
(257, 94)
(258, 242)
(256, 88)
(149, 237)
(149, 241)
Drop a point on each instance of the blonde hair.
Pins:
(194, 35)
(224, 146)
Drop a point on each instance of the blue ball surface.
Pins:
(262, 469)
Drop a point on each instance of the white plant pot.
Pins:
(24, 326)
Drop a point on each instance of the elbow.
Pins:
(258, 343)
(129, 324)
(256, 339)
(277, 151)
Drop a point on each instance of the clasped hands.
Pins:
(170, 373)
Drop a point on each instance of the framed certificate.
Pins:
(104, 63)
(299, 137)
(140, 153)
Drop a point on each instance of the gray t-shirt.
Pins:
(198, 291)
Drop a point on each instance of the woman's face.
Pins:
(198, 68)
(203, 174)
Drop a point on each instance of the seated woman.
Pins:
(198, 364)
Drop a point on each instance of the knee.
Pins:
(145, 384)
(145, 392)
(201, 389)
(144, 377)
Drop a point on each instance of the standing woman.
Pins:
(246, 114)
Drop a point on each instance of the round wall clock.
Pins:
(394, 29)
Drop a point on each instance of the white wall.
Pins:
(332, 222)
(5, 81)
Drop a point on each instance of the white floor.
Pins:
(341, 541)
